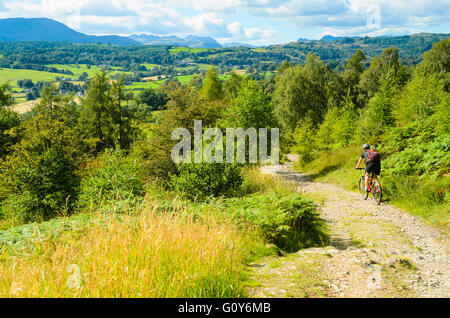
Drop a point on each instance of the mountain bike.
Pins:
(374, 188)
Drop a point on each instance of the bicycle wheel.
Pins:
(377, 193)
(362, 188)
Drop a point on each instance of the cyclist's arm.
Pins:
(359, 162)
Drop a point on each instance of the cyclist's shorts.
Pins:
(373, 167)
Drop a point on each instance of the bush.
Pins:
(47, 188)
(198, 181)
(116, 178)
(289, 221)
(8, 120)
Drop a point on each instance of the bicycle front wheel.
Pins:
(377, 193)
(362, 188)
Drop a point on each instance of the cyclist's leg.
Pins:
(369, 168)
(376, 171)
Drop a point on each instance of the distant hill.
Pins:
(189, 41)
(337, 50)
(42, 29)
(237, 44)
(329, 38)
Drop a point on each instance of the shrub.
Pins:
(47, 188)
(202, 180)
(289, 221)
(304, 138)
(116, 178)
(8, 119)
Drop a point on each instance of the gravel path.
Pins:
(375, 250)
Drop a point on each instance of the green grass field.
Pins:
(187, 49)
(12, 75)
(77, 71)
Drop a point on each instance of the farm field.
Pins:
(12, 75)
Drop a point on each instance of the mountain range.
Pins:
(42, 29)
(189, 41)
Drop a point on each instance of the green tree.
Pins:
(184, 106)
(423, 99)
(250, 107)
(304, 140)
(437, 61)
(212, 86)
(301, 92)
(5, 97)
(40, 172)
(8, 120)
(370, 81)
(122, 114)
(153, 99)
(352, 73)
(233, 83)
(377, 117)
(52, 103)
(284, 66)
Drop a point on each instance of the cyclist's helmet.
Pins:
(366, 146)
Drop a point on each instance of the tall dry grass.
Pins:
(144, 254)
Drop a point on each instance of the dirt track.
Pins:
(375, 251)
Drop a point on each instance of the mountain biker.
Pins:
(373, 163)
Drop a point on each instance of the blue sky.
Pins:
(258, 22)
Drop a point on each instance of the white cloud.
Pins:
(234, 28)
(225, 6)
(258, 33)
(204, 22)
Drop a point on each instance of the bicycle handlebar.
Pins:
(360, 168)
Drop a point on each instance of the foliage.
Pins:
(42, 189)
(377, 116)
(375, 75)
(212, 86)
(423, 99)
(300, 92)
(115, 178)
(8, 120)
(5, 96)
(105, 116)
(304, 140)
(250, 108)
(40, 171)
(437, 61)
(155, 100)
(289, 221)
(199, 181)
(184, 106)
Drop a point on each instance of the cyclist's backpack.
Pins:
(373, 155)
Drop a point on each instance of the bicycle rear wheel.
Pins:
(377, 193)
(362, 188)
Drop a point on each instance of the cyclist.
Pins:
(373, 163)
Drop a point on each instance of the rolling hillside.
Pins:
(42, 29)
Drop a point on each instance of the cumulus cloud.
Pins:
(204, 22)
(226, 6)
(258, 33)
(234, 28)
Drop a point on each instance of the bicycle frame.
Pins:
(370, 186)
